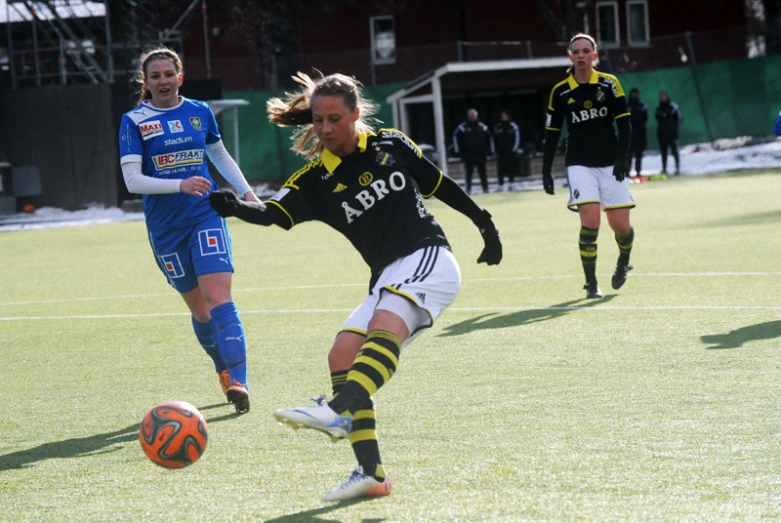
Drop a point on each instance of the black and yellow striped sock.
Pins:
(588, 252)
(338, 379)
(373, 367)
(363, 438)
(625, 246)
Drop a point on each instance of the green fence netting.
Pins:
(265, 153)
(718, 99)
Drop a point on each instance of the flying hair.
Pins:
(295, 109)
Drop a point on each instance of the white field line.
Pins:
(345, 285)
(593, 308)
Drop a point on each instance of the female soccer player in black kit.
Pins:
(368, 186)
(597, 162)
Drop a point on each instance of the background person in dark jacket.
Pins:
(638, 115)
(507, 139)
(473, 143)
(669, 117)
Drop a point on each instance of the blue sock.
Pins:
(230, 339)
(205, 332)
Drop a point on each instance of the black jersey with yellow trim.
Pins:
(589, 110)
(373, 196)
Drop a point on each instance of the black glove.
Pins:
(547, 182)
(492, 252)
(621, 169)
(225, 202)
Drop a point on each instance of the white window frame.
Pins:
(584, 6)
(614, 4)
(647, 40)
(375, 58)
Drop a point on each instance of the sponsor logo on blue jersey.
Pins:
(175, 126)
(151, 129)
(177, 141)
(188, 157)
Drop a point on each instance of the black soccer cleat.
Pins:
(592, 290)
(239, 396)
(619, 277)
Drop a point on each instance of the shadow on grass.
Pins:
(310, 516)
(523, 317)
(87, 446)
(735, 339)
(757, 218)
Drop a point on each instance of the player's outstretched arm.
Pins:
(452, 195)
(229, 170)
(227, 203)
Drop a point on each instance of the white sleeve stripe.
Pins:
(131, 158)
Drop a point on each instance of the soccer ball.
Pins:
(173, 434)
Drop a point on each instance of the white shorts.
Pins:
(418, 288)
(597, 185)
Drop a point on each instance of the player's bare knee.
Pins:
(388, 321)
(346, 347)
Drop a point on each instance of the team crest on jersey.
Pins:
(175, 126)
(195, 122)
(571, 101)
(212, 241)
(576, 194)
(172, 265)
(588, 104)
(150, 129)
(600, 95)
(365, 179)
(384, 158)
(340, 187)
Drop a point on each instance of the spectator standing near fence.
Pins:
(507, 140)
(669, 118)
(473, 143)
(163, 145)
(638, 112)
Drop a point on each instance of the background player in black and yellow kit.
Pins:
(597, 162)
(368, 186)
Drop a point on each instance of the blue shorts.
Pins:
(184, 253)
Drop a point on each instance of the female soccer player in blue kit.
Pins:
(163, 143)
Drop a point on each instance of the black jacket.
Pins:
(668, 116)
(472, 140)
(507, 138)
(638, 115)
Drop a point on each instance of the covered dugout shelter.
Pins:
(430, 107)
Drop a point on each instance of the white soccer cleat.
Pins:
(359, 485)
(319, 417)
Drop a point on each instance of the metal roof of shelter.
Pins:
(406, 95)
